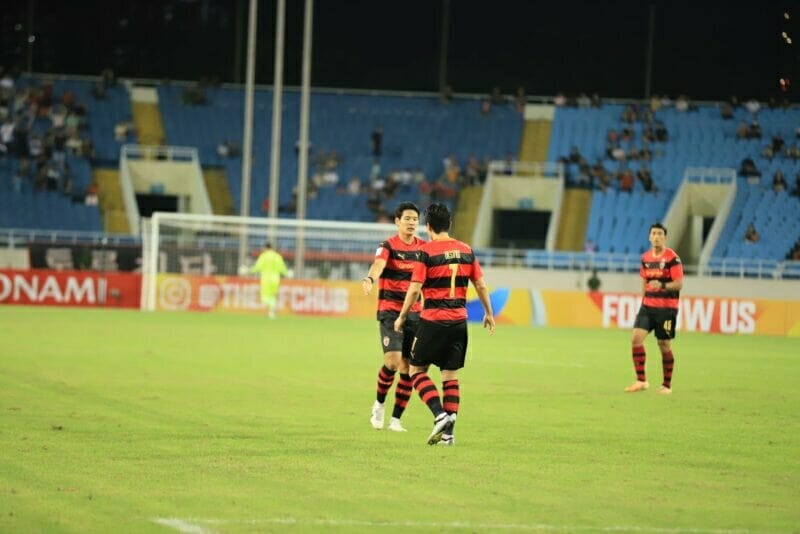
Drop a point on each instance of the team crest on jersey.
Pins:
(385, 341)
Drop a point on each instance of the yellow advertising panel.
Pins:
(511, 306)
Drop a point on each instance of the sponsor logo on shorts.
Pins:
(385, 341)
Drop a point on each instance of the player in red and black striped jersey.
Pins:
(447, 265)
(662, 281)
(394, 262)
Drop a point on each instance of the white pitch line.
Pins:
(192, 523)
(182, 526)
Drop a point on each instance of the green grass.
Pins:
(109, 419)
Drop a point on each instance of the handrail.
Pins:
(489, 257)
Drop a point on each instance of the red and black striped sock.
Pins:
(402, 394)
(428, 392)
(667, 364)
(385, 381)
(638, 362)
(451, 398)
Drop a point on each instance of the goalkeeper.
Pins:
(271, 266)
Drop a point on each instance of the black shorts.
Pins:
(441, 344)
(398, 341)
(662, 320)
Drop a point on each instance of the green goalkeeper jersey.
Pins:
(271, 266)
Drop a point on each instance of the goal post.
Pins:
(180, 248)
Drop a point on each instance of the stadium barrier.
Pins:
(531, 307)
(70, 288)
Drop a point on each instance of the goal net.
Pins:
(192, 261)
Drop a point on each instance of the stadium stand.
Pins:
(699, 137)
(419, 132)
(73, 130)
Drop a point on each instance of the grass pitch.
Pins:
(164, 422)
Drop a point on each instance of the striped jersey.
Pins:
(401, 258)
(445, 269)
(666, 268)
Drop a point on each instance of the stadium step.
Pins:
(469, 201)
(535, 140)
(147, 117)
(110, 201)
(574, 218)
(218, 192)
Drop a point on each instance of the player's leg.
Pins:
(402, 394)
(641, 328)
(404, 388)
(451, 397)
(451, 391)
(269, 297)
(426, 345)
(391, 344)
(665, 333)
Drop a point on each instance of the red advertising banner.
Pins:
(70, 288)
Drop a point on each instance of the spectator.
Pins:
(123, 129)
(99, 91)
(593, 283)
(446, 95)
(778, 181)
(754, 130)
(584, 101)
(752, 105)
(228, 149)
(646, 180)
(767, 153)
(596, 101)
(354, 186)
(194, 96)
(796, 191)
(777, 143)
(725, 110)
(472, 176)
(377, 141)
(741, 130)
(626, 181)
(497, 96)
(682, 104)
(629, 114)
(751, 234)
(560, 100)
(748, 169)
(660, 132)
(92, 192)
(520, 100)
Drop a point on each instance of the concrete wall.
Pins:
(508, 191)
(178, 178)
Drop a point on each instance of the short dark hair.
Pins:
(437, 216)
(403, 206)
(658, 225)
(267, 244)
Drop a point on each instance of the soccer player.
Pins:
(662, 281)
(271, 266)
(447, 265)
(394, 262)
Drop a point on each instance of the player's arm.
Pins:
(258, 266)
(483, 295)
(414, 289)
(373, 274)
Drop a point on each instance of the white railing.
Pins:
(549, 169)
(173, 154)
(490, 257)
